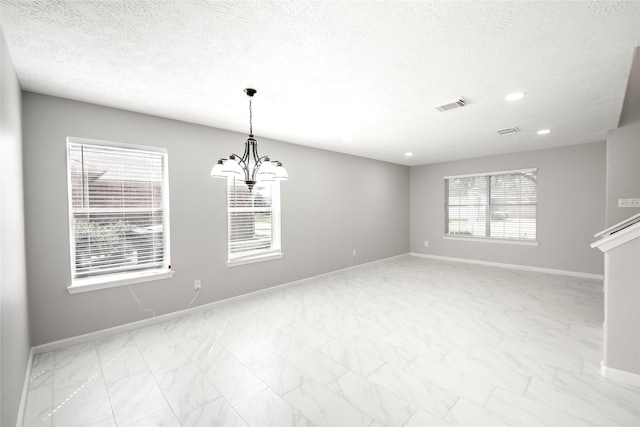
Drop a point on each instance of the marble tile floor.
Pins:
(404, 342)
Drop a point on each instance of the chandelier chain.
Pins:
(250, 117)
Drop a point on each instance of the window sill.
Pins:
(112, 281)
(489, 240)
(252, 259)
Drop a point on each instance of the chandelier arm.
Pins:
(245, 155)
(237, 158)
(245, 160)
(258, 160)
(243, 164)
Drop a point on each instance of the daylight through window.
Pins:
(254, 219)
(118, 204)
(498, 205)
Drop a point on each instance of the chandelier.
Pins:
(250, 167)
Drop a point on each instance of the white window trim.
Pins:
(115, 280)
(521, 242)
(128, 278)
(494, 240)
(255, 258)
(509, 172)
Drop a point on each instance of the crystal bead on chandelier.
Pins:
(251, 167)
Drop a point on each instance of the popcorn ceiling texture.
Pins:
(374, 71)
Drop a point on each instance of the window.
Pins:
(498, 205)
(254, 221)
(118, 208)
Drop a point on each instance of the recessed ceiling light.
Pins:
(514, 96)
(408, 154)
(544, 131)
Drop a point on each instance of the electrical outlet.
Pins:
(354, 252)
(629, 203)
(197, 284)
(426, 243)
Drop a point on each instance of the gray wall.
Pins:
(332, 204)
(623, 151)
(622, 309)
(571, 197)
(14, 327)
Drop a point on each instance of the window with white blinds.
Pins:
(497, 205)
(253, 219)
(118, 205)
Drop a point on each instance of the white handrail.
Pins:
(619, 226)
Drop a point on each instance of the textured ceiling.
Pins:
(327, 71)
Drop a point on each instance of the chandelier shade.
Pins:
(251, 168)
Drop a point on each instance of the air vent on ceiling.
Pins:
(507, 131)
(458, 104)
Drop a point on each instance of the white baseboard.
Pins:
(25, 390)
(513, 266)
(620, 376)
(104, 333)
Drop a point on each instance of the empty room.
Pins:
(319, 213)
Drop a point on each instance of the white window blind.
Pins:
(253, 219)
(118, 204)
(498, 205)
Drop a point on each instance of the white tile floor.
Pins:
(405, 342)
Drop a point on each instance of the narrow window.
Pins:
(118, 208)
(254, 221)
(497, 205)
